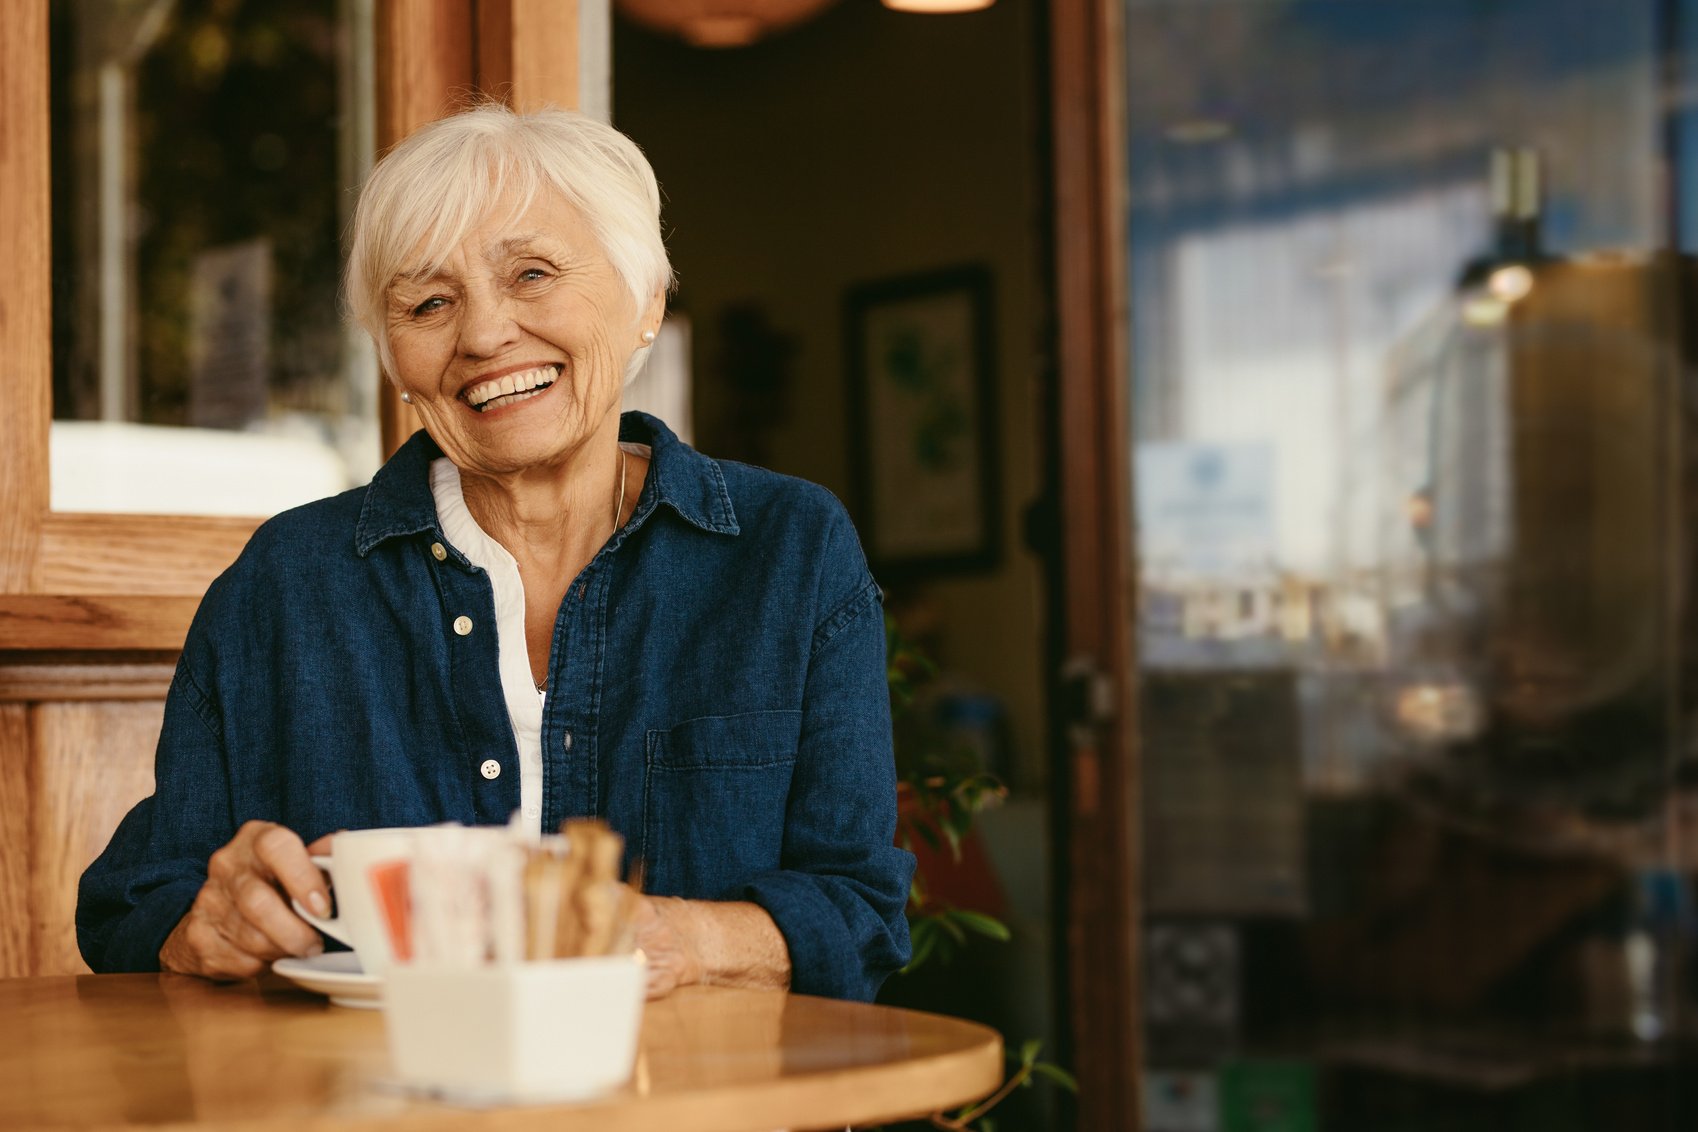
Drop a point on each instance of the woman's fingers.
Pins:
(281, 854)
(321, 847)
(205, 941)
(240, 950)
(273, 928)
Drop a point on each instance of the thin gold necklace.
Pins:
(619, 498)
(618, 508)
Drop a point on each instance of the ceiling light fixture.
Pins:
(720, 23)
(937, 7)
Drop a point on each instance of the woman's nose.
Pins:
(486, 325)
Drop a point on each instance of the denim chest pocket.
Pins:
(714, 796)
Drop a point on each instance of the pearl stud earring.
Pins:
(648, 336)
(406, 398)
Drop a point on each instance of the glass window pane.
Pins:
(205, 158)
(1411, 475)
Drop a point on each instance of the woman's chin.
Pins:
(515, 442)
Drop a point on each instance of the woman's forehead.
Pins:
(547, 225)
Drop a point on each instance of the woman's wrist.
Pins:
(738, 944)
(712, 943)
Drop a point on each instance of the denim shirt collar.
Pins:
(399, 501)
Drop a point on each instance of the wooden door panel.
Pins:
(16, 953)
(89, 763)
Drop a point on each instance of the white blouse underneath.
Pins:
(524, 702)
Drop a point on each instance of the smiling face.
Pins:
(514, 349)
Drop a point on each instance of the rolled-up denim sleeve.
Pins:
(840, 894)
(137, 890)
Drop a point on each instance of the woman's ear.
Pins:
(654, 313)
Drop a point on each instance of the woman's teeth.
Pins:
(511, 389)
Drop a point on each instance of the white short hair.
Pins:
(427, 193)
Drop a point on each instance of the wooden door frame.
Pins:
(1097, 776)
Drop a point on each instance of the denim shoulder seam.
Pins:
(867, 597)
(185, 682)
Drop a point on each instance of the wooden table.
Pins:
(164, 1051)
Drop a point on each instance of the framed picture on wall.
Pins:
(922, 412)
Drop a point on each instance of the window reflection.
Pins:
(204, 158)
(1411, 456)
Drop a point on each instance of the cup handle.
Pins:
(331, 928)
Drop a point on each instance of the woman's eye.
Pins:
(429, 306)
(532, 275)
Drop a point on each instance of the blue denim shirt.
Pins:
(717, 695)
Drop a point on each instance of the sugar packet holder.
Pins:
(520, 982)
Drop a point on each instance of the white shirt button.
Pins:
(567, 741)
(490, 768)
(463, 625)
(438, 551)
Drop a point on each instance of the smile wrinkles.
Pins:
(512, 388)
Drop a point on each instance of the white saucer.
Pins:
(337, 974)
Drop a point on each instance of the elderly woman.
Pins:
(537, 605)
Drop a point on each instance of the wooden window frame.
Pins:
(132, 582)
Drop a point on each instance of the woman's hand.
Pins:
(241, 920)
(699, 941)
(665, 935)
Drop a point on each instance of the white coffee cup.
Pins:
(359, 921)
(355, 853)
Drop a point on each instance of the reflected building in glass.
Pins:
(1412, 404)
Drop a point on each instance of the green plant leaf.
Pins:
(946, 921)
(1029, 1050)
(1056, 1074)
(927, 833)
(983, 924)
